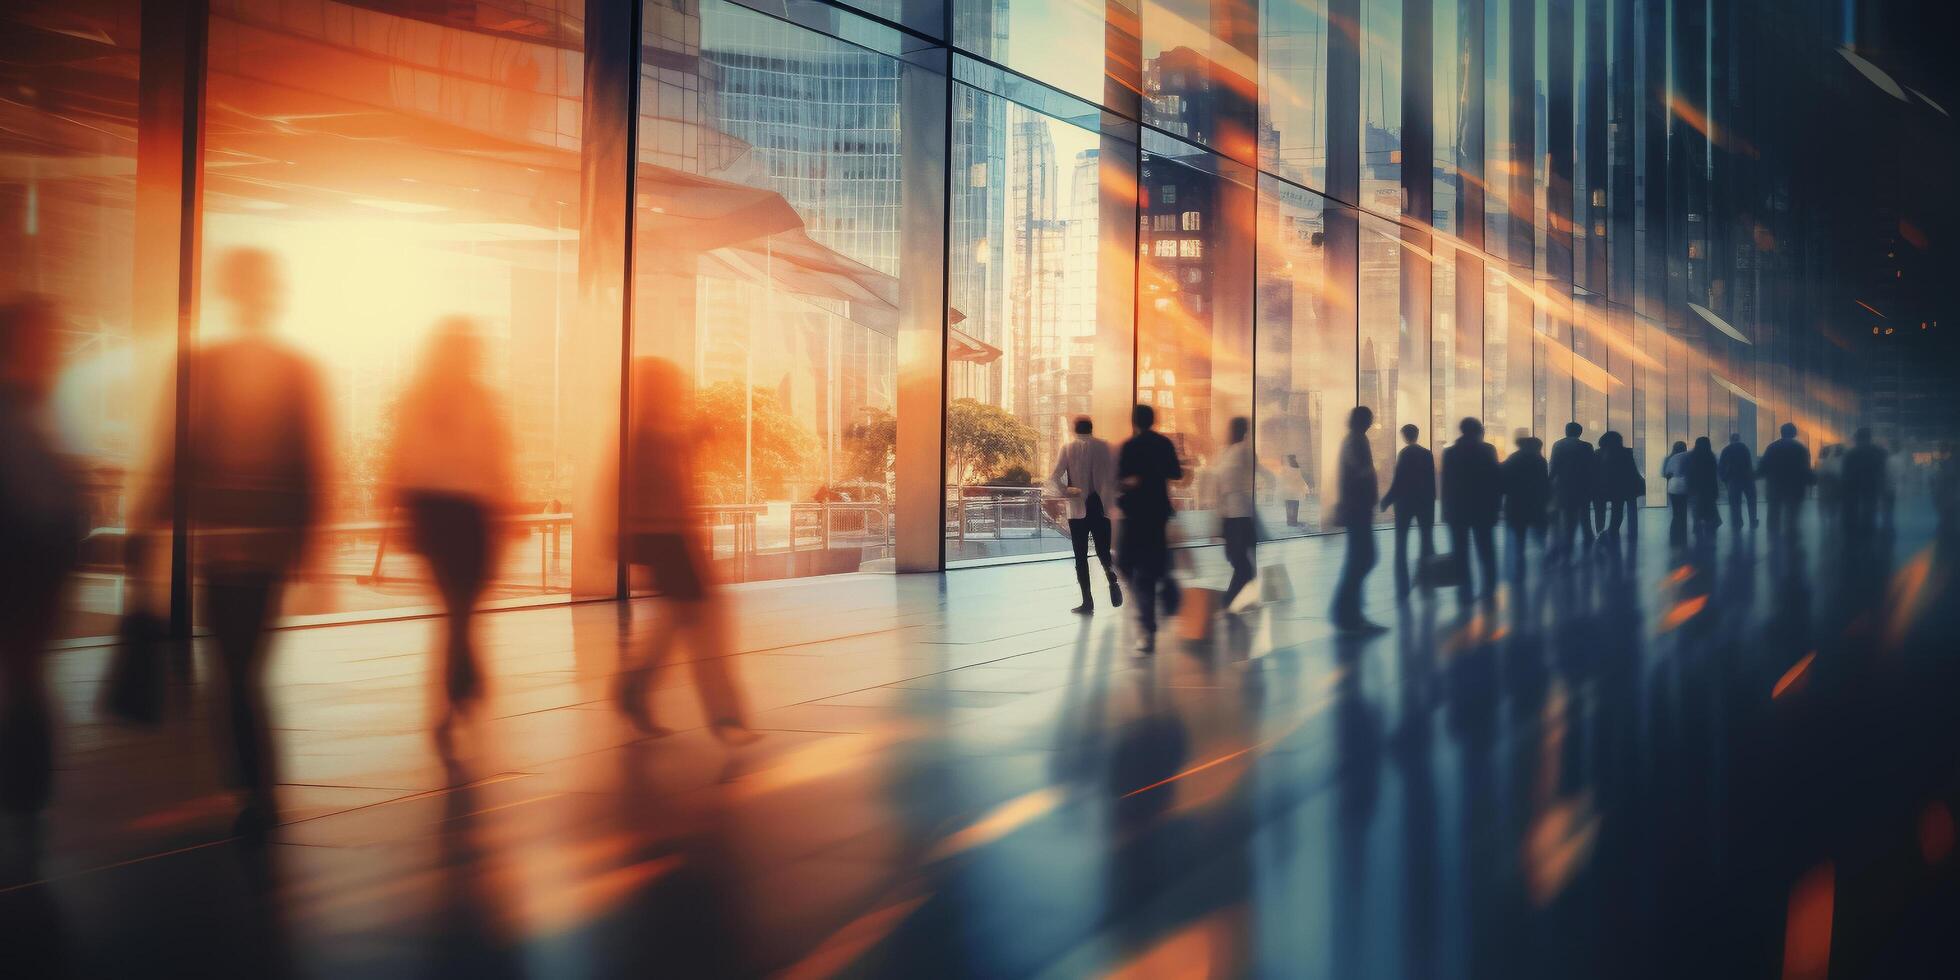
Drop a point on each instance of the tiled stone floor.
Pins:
(1664, 764)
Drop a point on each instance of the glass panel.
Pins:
(1381, 108)
(1500, 148)
(67, 230)
(1305, 360)
(1194, 329)
(766, 263)
(1021, 352)
(927, 17)
(1044, 39)
(1396, 400)
(1200, 64)
(1293, 90)
(399, 165)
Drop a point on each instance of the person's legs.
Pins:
(1677, 510)
(1238, 552)
(1735, 504)
(26, 720)
(1485, 537)
(1516, 532)
(1426, 521)
(454, 534)
(1359, 561)
(1078, 536)
(1460, 554)
(1403, 520)
(238, 602)
(1749, 494)
(1099, 530)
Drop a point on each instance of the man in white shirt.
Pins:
(1237, 474)
(1085, 474)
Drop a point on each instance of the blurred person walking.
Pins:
(1473, 488)
(659, 533)
(1527, 482)
(1675, 471)
(1085, 474)
(1145, 467)
(1704, 486)
(1354, 512)
(41, 527)
(255, 479)
(1737, 468)
(1412, 492)
(1785, 471)
(1572, 470)
(1238, 475)
(1863, 483)
(1620, 489)
(450, 469)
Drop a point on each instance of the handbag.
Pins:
(132, 690)
(1439, 571)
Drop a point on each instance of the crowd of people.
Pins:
(247, 473)
(1580, 500)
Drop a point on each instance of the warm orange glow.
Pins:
(1683, 611)
(1194, 770)
(845, 945)
(1935, 832)
(1807, 930)
(1679, 575)
(1793, 675)
(1908, 596)
(1001, 821)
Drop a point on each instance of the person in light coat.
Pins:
(1085, 475)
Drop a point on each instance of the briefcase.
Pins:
(1439, 571)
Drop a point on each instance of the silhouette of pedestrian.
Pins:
(1704, 486)
(41, 527)
(1085, 474)
(1145, 467)
(450, 467)
(1785, 471)
(1412, 492)
(659, 533)
(1354, 512)
(1863, 483)
(1237, 476)
(1473, 487)
(1572, 467)
(1619, 486)
(1675, 471)
(1737, 469)
(1527, 482)
(256, 475)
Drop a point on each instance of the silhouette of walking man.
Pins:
(1620, 487)
(1412, 492)
(1863, 483)
(1085, 474)
(1704, 486)
(1354, 512)
(1237, 473)
(1572, 489)
(1527, 495)
(1145, 467)
(1473, 486)
(1785, 469)
(1738, 472)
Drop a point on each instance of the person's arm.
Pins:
(1060, 471)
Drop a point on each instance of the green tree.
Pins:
(982, 439)
(870, 445)
(781, 450)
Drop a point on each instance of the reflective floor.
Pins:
(1735, 761)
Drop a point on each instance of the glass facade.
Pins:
(895, 247)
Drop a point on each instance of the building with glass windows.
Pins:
(897, 247)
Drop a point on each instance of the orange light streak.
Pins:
(1683, 611)
(1793, 675)
(1807, 929)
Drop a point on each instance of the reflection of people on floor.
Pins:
(659, 534)
(1237, 478)
(41, 526)
(256, 476)
(1412, 492)
(1145, 467)
(450, 467)
(1473, 483)
(1527, 494)
(1085, 474)
(1785, 472)
(1354, 513)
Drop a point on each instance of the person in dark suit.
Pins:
(1473, 485)
(1354, 512)
(1412, 492)
(1864, 482)
(1704, 486)
(1573, 475)
(1785, 470)
(1527, 493)
(41, 527)
(1737, 468)
(1620, 485)
(1145, 467)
